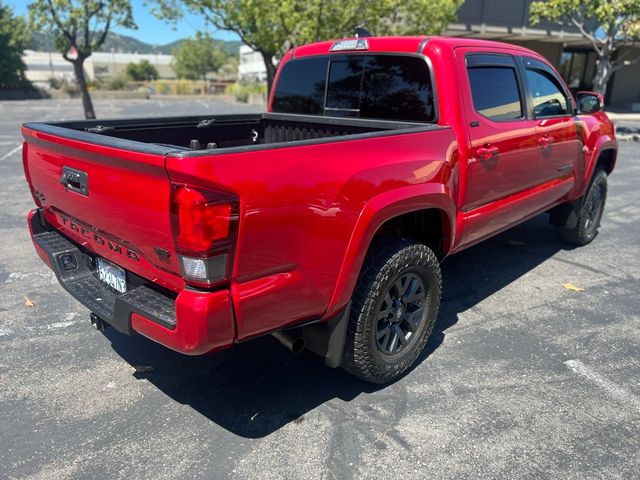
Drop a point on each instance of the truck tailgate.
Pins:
(115, 202)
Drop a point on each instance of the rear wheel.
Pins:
(589, 214)
(394, 308)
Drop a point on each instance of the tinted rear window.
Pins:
(495, 92)
(345, 82)
(301, 87)
(367, 86)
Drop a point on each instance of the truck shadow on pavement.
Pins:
(258, 387)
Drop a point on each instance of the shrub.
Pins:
(71, 89)
(163, 88)
(241, 91)
(93, 84)
(56, 83)
(142, 71)
(119, 82)
(184, 87)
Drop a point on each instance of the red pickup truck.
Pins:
(324, 220)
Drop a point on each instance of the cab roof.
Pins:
(403, 44)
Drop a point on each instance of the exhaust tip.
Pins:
(294, 343)
(297, 345)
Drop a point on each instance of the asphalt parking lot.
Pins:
(523, 378)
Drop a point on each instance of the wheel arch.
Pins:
(607, 159)
(406, 212)
(605, 154)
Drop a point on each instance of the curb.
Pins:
(622, 137)
(627, 134)
(623, 117)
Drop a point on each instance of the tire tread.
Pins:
(385, 256)
(579, 235)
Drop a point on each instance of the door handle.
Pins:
(545, 141)
(486, 153)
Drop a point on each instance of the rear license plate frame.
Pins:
(111, 275)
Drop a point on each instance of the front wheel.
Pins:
(589, 214)
(394, 308)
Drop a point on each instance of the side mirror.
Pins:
(589, 102)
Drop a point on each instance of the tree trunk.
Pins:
(603, 72)
(271, 70)
(78, 69)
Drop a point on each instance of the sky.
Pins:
(150, 29)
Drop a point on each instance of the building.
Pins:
(111, 64)
(508, 21)
(571, 54)
(42, 66)
(251, 66)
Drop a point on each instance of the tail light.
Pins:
(205, 223)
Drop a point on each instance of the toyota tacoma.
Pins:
(324, 220)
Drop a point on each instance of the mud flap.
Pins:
(327, 339)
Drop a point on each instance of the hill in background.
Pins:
(126, 44)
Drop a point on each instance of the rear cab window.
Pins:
(495, 90)
(372, 86)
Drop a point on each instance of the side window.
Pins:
(495, 92)
(549, 99)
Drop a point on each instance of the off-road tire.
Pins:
(387, 261)
(589, 214)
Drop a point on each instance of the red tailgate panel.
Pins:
(125, 215)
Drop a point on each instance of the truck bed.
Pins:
(221, 133)
(301, 182)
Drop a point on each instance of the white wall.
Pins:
(251, 66)
(41, 66)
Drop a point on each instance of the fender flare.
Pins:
(375, 213)
(606, 142)
(566, 214)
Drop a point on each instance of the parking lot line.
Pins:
(7, 155)
(611, 388)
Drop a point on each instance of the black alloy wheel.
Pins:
(401, 313)
(591, 209)
(394, 308)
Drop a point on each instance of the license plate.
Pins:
(112, 275)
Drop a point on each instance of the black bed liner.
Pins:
(230, 133)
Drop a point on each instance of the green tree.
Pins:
(142, 71)
(13, 39)
(271, 27)
(196, 57)
(80, 28)
(607, 24)
(229, 70)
